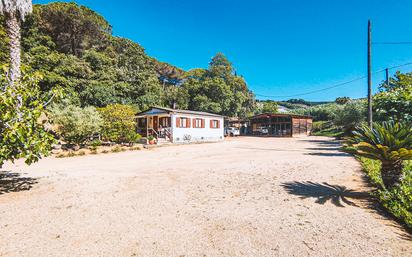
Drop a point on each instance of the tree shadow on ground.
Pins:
(325, 142)
(328, 154)
(326, 148)
(324, 192)
(13, 182)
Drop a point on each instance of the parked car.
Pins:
(263, 130)
(232, 132)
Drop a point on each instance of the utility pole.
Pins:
(387, 77)
(369, 75)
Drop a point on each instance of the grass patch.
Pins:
(397, 201)
(117, 149)
(329, 132)
(326, 129)
(70, 154)
(60, 155)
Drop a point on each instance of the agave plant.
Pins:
(389, 142)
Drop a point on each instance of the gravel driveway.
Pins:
(243, 197)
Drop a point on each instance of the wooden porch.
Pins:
(158, 126)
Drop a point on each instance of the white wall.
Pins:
(188, 135)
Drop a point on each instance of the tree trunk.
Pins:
(13, 31)
(391, 173)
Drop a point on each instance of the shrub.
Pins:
(94, 144)
(74, 124)
(119, 123)
(397, 200)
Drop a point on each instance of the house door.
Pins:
(156, 123)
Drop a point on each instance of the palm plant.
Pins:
(14, 12)
(389, 142)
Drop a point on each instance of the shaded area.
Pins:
(325, 142)
(324, 192)
(271, 149)
(326, 148)
(328, 154)
(13, 182)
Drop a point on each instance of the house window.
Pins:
(198, 123)
(182, 122)
(164, 122)
(141, 122)
(215, 124)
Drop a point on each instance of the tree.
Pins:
(389, 142)
(350, 116)
(14, 12)
(269, 107)
(395, 100)
(72, 27)
(218, 90)
(342, 100)
(21, 133)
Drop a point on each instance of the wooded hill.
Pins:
(74, 50)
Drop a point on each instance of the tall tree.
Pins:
(14, 11)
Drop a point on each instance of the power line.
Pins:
(334, 86)
(315, 91)
(393, 43)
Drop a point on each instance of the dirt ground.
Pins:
(243, 197)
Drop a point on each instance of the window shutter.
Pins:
(188, 122)
(211, 123)
(194, 123)
(178, 122)
(203, 123)
(218, 123)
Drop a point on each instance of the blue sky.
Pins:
(282, 48)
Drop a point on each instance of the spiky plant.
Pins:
(14, 12)
(389, 142)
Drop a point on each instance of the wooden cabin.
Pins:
(280, 125)
(180, 126)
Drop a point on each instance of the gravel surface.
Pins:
(243, 197)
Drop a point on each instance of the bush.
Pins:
(398, 200)
(119, 123)
(75, 124)
(94, 144)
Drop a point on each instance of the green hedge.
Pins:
(397, 201)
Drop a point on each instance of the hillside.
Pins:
(74, 49)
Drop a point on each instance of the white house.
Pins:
(180, 126)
